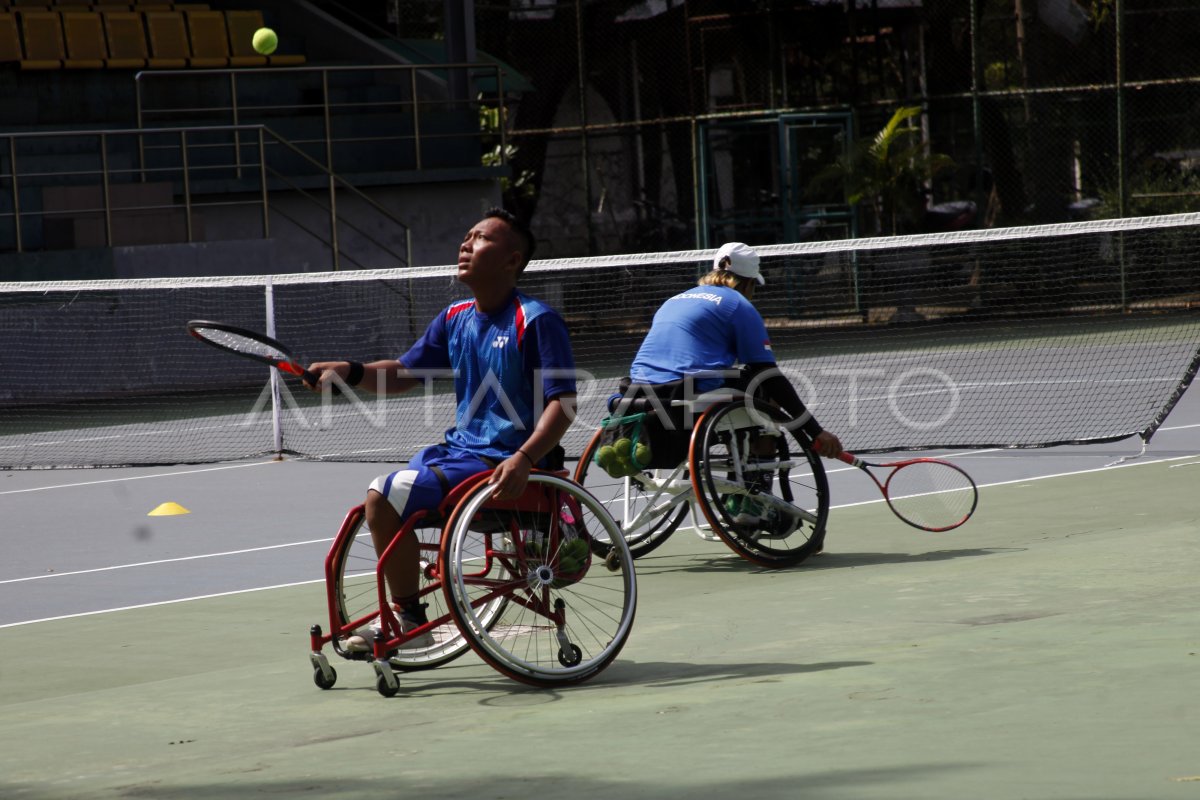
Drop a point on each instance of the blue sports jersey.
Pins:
(705, 329)
(497, 361)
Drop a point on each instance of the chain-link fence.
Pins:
(664, 124)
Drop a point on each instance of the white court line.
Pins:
(160, 603)
(321, 580)
(140, 477)
(166, 561)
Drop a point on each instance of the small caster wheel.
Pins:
(322, 681)
(385, 687)
(570, 656)
(613, 560)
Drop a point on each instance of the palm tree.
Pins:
(888, 173)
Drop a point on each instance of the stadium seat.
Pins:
(86, 48)
(169, 48)
(126, 40)
(10, 39)
(242, 25)
(210, 42)
(42, 31)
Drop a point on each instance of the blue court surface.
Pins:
(1047, 649)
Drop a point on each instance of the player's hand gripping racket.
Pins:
(249, 344)
(927, 493)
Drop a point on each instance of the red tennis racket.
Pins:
(249, 344)
(927, 493)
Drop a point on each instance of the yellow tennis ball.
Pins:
(265, 41)
(576, 549)
(642, 454)
(623, 447)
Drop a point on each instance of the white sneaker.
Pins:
(363, 639)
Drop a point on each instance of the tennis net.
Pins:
(1025, 337)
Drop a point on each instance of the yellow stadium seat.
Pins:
(10, 38)
(126, 38)
(169, 48)
(42, 31)
(210, 43)
(84, 33)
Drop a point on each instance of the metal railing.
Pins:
(209, 167)
(419, 89)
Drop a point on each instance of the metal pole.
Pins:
(276, 422)
(137, 92)
(237, 134)
(333, 231)
(16, 195)
(583, 122)
(416, 115)
(108, 237)
(976, 108)
(1122, 189)
(187, 186)
(262, 182)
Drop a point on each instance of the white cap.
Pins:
(743, 260)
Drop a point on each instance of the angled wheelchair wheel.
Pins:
(770, 509)
(647, 507)
(558, 559)
(356, 595)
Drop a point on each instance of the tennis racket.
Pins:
(249, 344)
(927, 493)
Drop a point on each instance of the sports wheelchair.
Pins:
(718, 466)
(541, 587)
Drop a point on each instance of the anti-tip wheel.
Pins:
(322, 681)
(571, 657)
(385, 687)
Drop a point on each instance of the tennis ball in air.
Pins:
(265, 41)
(642, 454)
(623, 447)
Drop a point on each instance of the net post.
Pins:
(276, 427)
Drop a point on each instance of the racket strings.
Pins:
(931, 495)
(242, 344)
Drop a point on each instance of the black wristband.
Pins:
(355, 376)
(527, 458)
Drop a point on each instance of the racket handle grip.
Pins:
(311, 379)
(850, 458)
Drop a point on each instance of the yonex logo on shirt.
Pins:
(712, 298)
(500, 341)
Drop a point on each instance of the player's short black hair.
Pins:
(528, 243)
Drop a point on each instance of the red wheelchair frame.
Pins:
(496, 562)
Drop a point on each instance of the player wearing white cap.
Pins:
(698, 336)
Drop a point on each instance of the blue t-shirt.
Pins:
(498, 361)
(705, 329)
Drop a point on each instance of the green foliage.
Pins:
(1153, 192)
(887, 173)
(491, 118)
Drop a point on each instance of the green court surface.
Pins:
(1048, 649)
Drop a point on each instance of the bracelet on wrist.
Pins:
(527, 458)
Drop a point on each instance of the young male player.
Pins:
(498, 343)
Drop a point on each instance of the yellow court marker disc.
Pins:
(168, 510)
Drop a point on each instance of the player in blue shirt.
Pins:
(700, 334)
(498, 344)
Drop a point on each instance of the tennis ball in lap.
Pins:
(265, 41)
(576, 549)
(606, 455)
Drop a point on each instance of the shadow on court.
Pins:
(726, 562)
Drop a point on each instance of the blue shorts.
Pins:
(428, 478)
